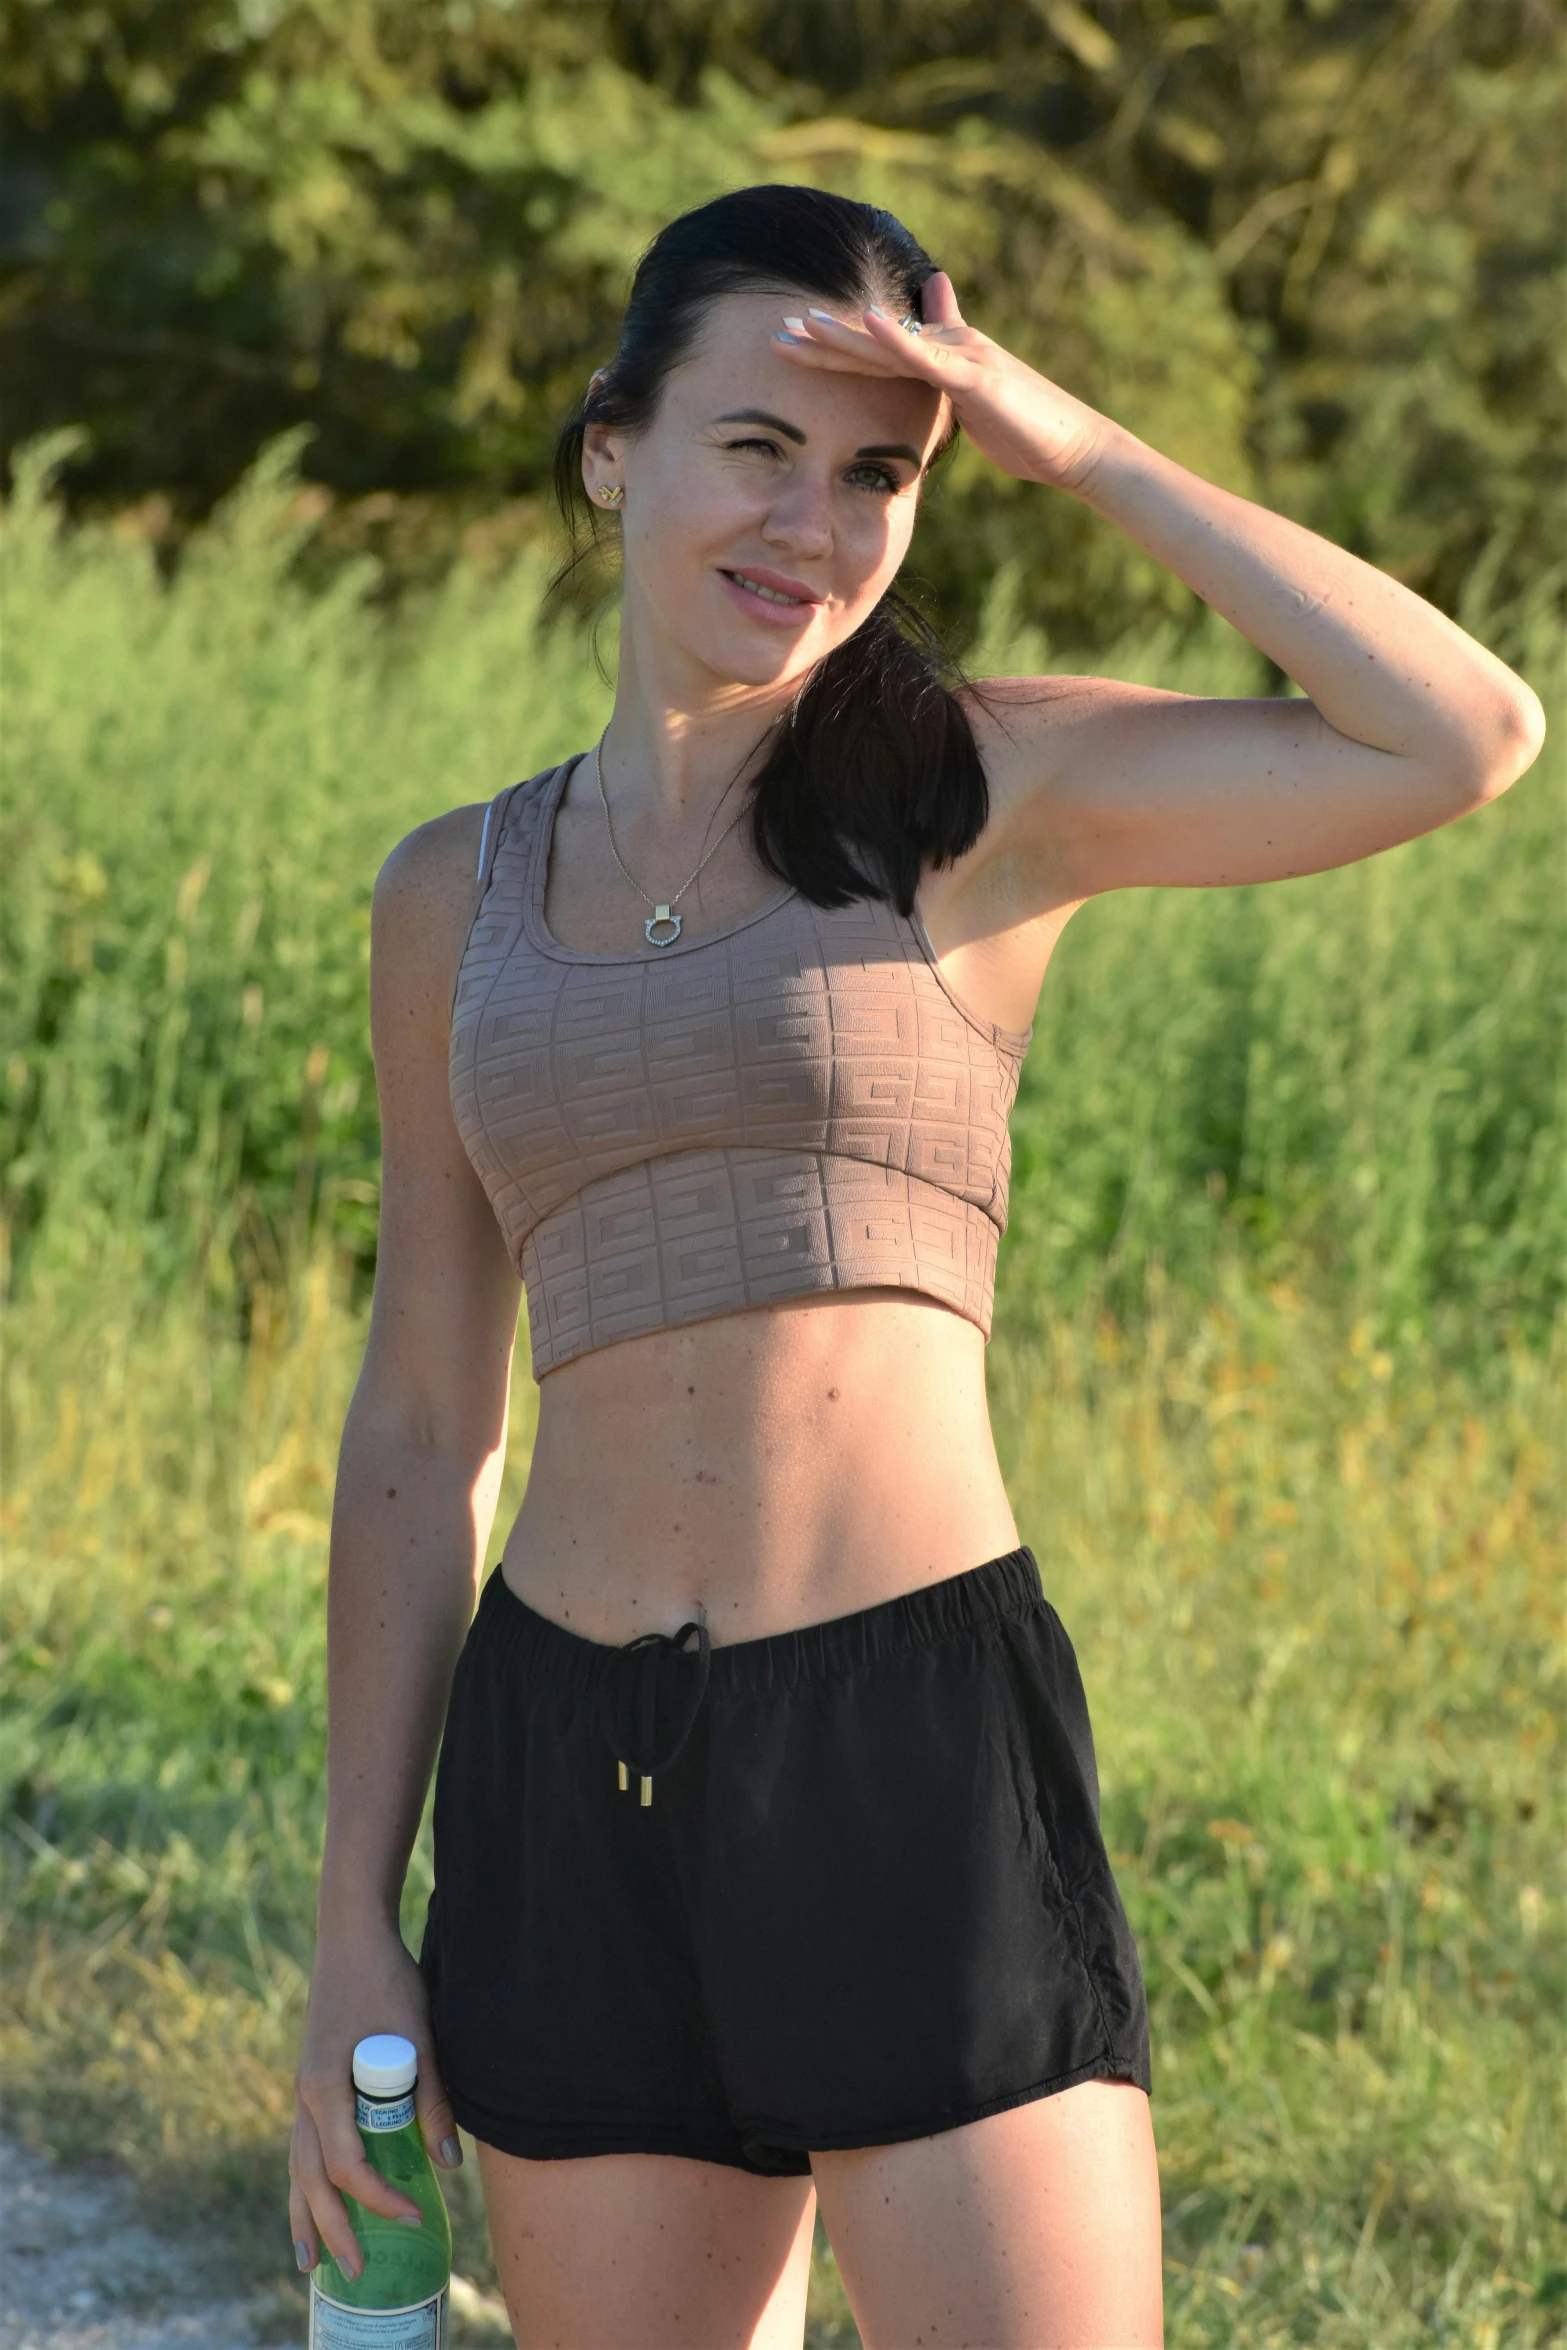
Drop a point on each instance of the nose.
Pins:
(799, 518)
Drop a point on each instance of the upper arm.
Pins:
(443, 1321)
(1099, 785)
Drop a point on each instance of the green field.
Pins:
(1277, 1380)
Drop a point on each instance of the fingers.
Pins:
(938, 302)
(827, 337)
(348, 2169)
(878, 347)
(327, 2162)
(301, 2222)
(316, 2211)
(436, 2118)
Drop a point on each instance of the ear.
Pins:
(603, 454)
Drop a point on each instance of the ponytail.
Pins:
(876, 773)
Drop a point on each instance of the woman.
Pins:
(768, 1865)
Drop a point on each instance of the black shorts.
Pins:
(868, 1899)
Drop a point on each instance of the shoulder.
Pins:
(1027, 729)
(1064, 756)
(431, 878)
(421, 910)
(433, 859)
(1051, 747)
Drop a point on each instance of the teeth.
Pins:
(756, 588)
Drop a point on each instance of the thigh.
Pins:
(648, 2252)
(1035, 2229)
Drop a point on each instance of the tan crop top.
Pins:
(793, 1105)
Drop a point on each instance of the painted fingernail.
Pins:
(796, 326)
(411, 2219)
(827, 314)
(783, 338)
(352, 2265)
(451, 2152)
(874, 311)
(302, 2253)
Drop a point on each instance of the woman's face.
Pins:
(768, 506)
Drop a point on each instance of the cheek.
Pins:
(872, 543)
(687, 506)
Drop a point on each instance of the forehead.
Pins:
(735, 363)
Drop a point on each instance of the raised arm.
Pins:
(1096, 785)
(418, 1478)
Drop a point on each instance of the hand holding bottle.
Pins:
(361, 1984)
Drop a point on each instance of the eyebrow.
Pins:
(792, 432)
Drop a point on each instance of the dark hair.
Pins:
(874, 774)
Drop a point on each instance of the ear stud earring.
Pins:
(612, 493)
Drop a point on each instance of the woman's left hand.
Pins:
(1014, 416)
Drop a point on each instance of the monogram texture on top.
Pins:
(796, 1104)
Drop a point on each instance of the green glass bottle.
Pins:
(399, 2299)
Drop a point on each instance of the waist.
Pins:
(775, 1467)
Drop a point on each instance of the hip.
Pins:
(835, 1887)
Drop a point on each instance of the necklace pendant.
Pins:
(661, 919)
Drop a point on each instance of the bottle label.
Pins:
(421, 2326)
(376, 2114)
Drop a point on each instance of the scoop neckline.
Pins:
(541, 936)
(1015, 1041)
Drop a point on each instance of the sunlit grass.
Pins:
(1316, 1597)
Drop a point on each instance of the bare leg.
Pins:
(1036, 2229)
(648, 2252)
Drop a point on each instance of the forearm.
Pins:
(1381, 665)
(409, 1523)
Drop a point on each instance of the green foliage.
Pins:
(1352, 1078)
(203, 783)
(1360, 1072)
(1309, 249)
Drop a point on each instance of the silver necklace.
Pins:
(663, 918)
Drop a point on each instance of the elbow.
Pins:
(1509, 747)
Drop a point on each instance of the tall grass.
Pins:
(1276, 1378)
(1356, 1075)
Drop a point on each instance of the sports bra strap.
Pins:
(489, 838)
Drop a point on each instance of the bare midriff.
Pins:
(774, 1468)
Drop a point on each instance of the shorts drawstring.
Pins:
(647, 1695)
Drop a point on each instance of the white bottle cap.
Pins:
(385, 2065)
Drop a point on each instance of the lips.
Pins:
(773, 588)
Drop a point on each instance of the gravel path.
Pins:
(79, 2271)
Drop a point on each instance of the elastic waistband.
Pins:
(957, 1607)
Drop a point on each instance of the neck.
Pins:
(672, 750)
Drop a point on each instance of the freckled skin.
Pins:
(830, 1455)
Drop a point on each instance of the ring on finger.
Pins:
(911, 325)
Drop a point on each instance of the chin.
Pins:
(752, 663)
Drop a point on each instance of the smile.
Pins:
(757, 589)
(768, 593)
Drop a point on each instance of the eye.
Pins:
(771, 448)
(878, 478)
